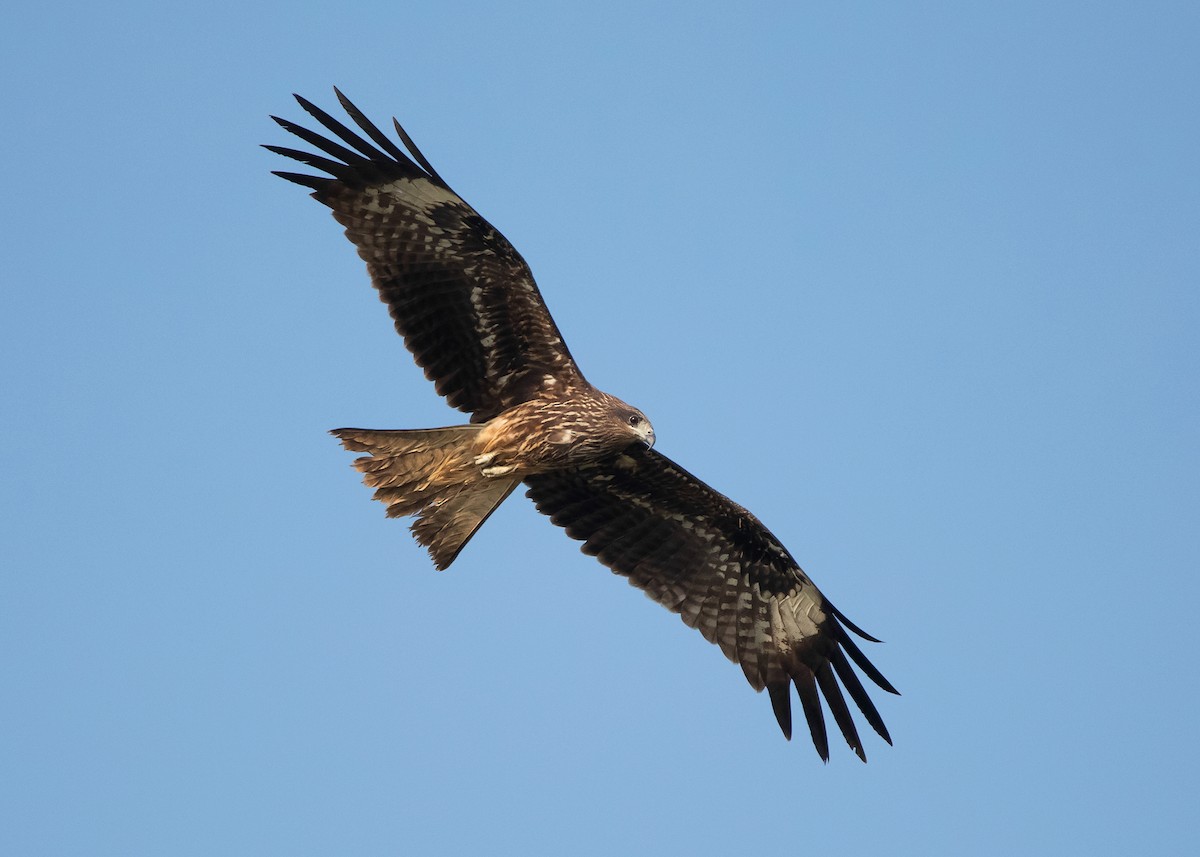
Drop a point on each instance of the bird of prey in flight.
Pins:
(466, 304)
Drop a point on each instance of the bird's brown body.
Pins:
(451, 479)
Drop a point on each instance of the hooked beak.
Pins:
(648, 439)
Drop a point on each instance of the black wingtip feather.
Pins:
(810, 700)
(369, 127)
(839, 709)
(857, 630)
(869, 669)
(326, 145)
(416, 153)
(859, 694)
(317, 183)
(339, 129)
(781, 704)
(334, 168)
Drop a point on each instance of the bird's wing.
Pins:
(701, 555)
(461, 296)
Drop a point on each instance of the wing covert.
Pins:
(701, 555)
(459, 293)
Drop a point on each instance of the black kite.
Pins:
(466, 304)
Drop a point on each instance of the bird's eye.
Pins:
(635, 420)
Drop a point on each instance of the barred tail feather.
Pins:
(431, 474)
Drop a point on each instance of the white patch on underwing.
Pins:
(422, 189)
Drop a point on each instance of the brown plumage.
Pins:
(469, 311)
(452, 478)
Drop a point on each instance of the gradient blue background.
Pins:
(918, 283)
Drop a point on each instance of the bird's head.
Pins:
(618, 425)
(635, 422)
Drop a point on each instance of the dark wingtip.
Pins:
(857, 630)
(810, 701)
(827, 682)
(370, 128)
(416, 153)
(781, 704)
(316, 183)
(360, 161)
(858, 693)
(308, 106)
(856, 654)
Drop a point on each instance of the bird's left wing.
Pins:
(459, 293)
(701, 555)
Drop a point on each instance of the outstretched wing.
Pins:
(461, 296)
(698, 553)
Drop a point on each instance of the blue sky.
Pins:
(919, 284)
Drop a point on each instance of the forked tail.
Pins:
(431, 474)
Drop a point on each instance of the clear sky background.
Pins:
(918, 283)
